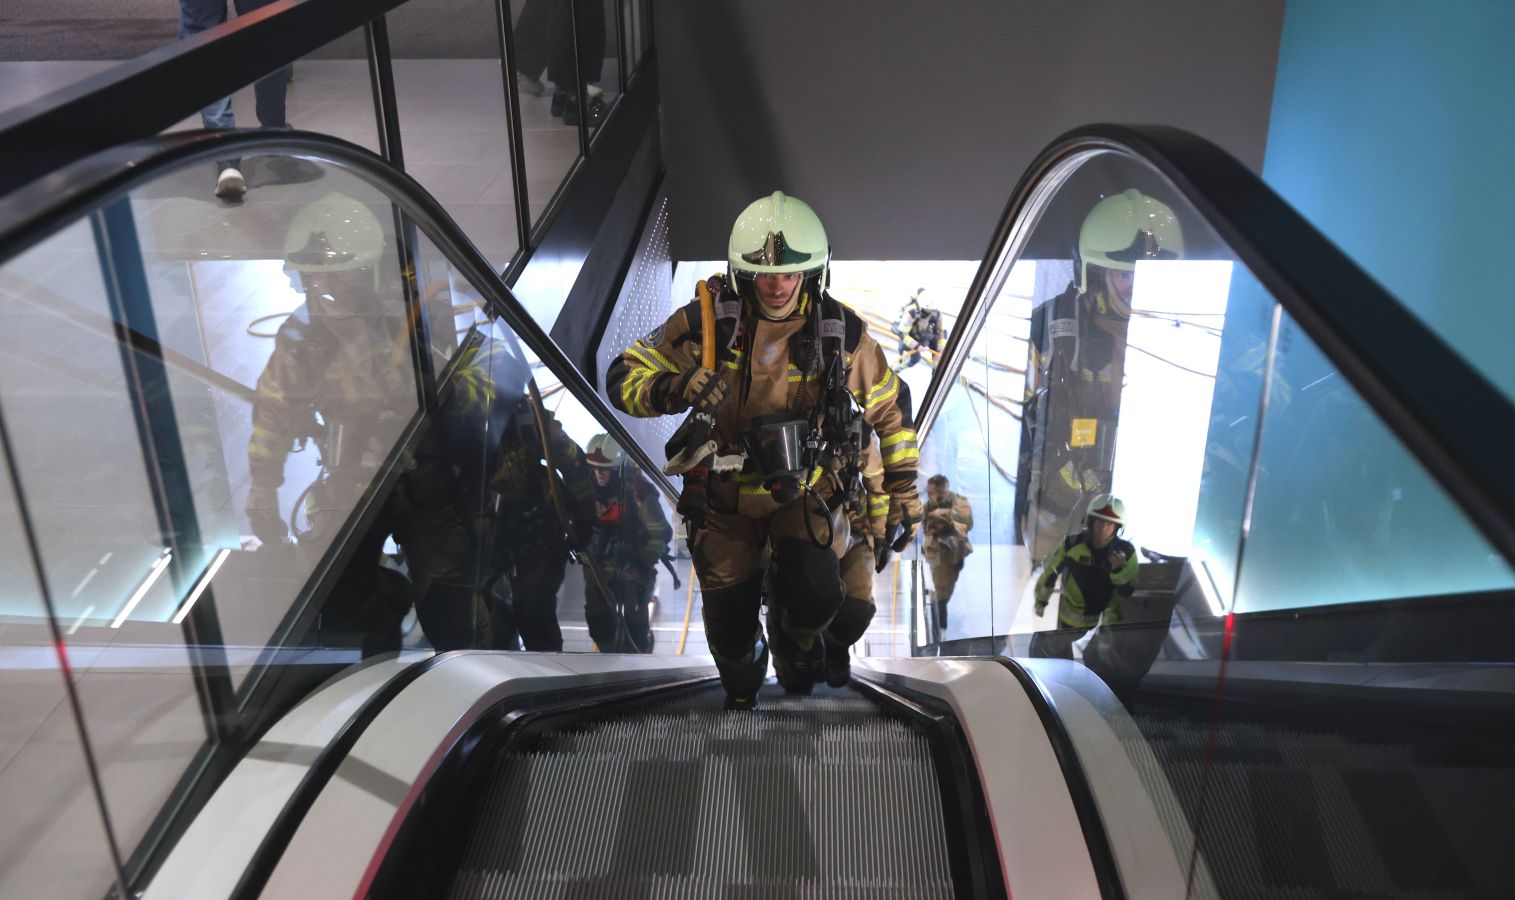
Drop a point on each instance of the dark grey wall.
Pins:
(906, 124)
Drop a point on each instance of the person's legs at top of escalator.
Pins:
(534, 588)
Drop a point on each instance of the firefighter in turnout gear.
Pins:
(341, 375)
(1076, 366)
(1098, 569)
(918, 328)
(541, 494)
(631, 536)
(949, 518)
(795, 379)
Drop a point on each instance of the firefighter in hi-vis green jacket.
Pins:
(1097, 568)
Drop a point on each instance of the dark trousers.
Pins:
(528, 611)
(591, 21)
(196, 16)
(632, 601)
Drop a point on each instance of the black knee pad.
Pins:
(731, 618)
(852, 619)
(807, 583)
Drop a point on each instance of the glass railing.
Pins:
(250, 445)
(492, 110)
(1304, 608)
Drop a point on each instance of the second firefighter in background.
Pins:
(631, 537)
(789, 360)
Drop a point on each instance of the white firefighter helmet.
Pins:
(1121, 229)
(1110, 508)
(334, 234)
(604, 452)
(774, 235)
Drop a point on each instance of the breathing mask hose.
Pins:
(825, 510)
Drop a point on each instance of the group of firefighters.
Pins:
(797, 457)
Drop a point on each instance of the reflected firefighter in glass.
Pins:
(631, 536)
(541, 504)
(949, 518)
(1076, 365)
(783, 383)
(1098, 570)
(342, 375)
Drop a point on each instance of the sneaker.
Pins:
(740, 702)
(532, 87)
(230, 185)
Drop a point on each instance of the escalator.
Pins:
(1235, 735)
(682, 798)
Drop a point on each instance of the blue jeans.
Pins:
(196, 16)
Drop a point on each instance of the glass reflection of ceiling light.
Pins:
(1211, 591)
(1167, 397)
(210, 572)
(153, 575)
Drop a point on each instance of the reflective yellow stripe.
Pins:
(878, 504)
(755, 485)
(904, 447)
(883, 383)
(650, 358)
(635, 390)
(887, 388)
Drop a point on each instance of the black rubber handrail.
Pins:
(1457, 424)
(41, 209)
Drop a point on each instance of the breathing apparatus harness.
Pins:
(788, 451)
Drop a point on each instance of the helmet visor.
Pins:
(1143, 246)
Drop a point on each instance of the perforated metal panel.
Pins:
(645, 302)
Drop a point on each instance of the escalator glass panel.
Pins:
(1307, 666)
(258, 442)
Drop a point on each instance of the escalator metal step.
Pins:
(1301, 814)
(808, 797)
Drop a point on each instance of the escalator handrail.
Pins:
(1455, 422)
(43, 208)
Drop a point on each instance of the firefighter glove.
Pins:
(904, 506)
(702, 389)
(1117, 560)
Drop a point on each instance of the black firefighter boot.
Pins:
(797, 670)
(741, 692)
(847, 628)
